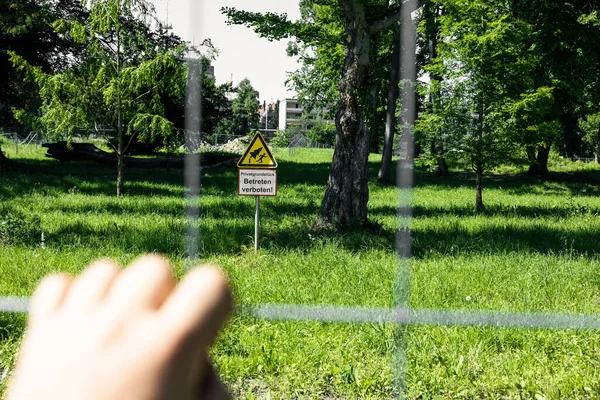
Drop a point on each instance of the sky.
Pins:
(242, 54)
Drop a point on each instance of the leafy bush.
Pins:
(18, 228)
(323, 132)
(282, 137)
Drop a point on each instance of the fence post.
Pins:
(16, 143)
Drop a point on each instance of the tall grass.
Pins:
(535, 248)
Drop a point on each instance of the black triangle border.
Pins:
(259, 137)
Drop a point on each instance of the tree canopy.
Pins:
(26, 29)
(501, 81)
(117, 86)
(355, 24)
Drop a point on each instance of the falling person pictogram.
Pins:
(255, 153)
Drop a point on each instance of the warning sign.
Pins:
(257, 182)
(257, 155)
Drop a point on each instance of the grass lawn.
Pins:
(534, 249)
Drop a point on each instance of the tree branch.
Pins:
(274, 26)
(143, 94)
(394, 15)
(107, 44)
(106, 137)
(129, 143)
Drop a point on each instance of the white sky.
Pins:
(241, 52)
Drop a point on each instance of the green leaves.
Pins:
(590, 125)
(274, 26)
(244, 116)
(150, 126)
(111, 72)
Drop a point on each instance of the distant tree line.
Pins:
(108, 67)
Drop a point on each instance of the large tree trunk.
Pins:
(347, 192)
(442, 169)
(572, 142)
(390, 115)
(597, 155)
(3, 161)
(374, 132)
(540, 165)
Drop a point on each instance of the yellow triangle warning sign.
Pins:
(257, 155)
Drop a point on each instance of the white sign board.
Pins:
(257, 182)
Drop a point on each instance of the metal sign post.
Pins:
(257, 176)
(256, 222)
(257, 182)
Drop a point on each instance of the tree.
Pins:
(564, 40)
(533, 117)
(590, 124)
(216, 106)
(591, 128)
(316, 82)
(486, 65)
(117, 86)
(347, 193)
(244, 109)
(25, 28)
(430, 34)
(390, 114)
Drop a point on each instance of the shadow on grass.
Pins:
(223, 236)
(56, 178)
(50, 176)
(227, 221)
(230, 229)
(216, 208)
(566, 209)
(493, 240)
(575, 184)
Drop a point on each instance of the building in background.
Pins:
(269, 117)
(291, 113)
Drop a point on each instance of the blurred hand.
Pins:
(123, 334)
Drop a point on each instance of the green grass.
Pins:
(535, 248)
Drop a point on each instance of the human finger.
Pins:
(49, 295)
(146, 283)
(91, 287)
(198, 308)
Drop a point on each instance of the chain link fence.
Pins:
(402, 314)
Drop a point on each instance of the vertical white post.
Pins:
(266, 116)
(256, 222)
